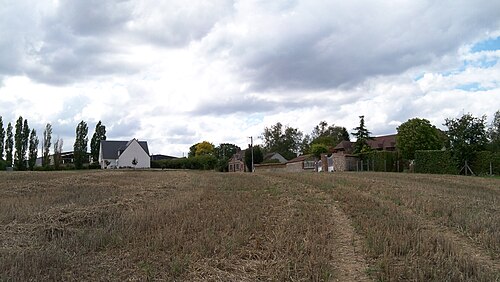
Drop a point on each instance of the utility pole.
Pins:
(251, 148)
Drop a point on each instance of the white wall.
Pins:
(112, 163)
(134, 150)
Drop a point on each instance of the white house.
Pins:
(121, 154)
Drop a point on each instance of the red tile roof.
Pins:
(300, 158)
(386, 142)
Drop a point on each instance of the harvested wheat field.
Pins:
(207, 226)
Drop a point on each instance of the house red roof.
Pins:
(344, 146)
(240, 155)
(386, 142)
(300, 159)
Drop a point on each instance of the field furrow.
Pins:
(207, 226)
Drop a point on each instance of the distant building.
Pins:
(274, 157)
(123, 154)
(159, 157)
(379, 143)
(237, 162)
(66, 158)
(301, 163)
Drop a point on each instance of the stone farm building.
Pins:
(66, 159)
(237, 162)
(342, 158)
(121, 154)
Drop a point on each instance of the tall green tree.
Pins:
(2, 138)
(95, 142)
(192, 150)
(19, 155)
(258, 156)
(9, 145)
(223, 153)
(329, 135)
(466, 135)
(47, 136)
(417, 134)
(226, 151)
(305, 144)
(33, 149)
(362, 135)
(494, 133)
(80, 146)
(58, 145)
(26, 141)
(282, 139)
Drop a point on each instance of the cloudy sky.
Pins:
(178, 72)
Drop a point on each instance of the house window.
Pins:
(231, 168)
(237, 167)
(309, 164)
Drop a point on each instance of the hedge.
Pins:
(200, 162)
(480, 165)
(382, 161)
(434, 161)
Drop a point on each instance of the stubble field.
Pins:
(207, 226)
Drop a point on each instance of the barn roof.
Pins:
(110, 148)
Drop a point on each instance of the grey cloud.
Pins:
(180, 130)
(329, 45)
(81, 40)
(123, 129)
(93, 17)
(236, 105)
(17, 27)
(258, 105)
(175, 23)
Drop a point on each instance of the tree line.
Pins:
(19, 145)
(463, 137)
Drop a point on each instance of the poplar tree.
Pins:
(25, 144)
(19, 157)
(33, 149)
(57, 153)
(2, 138)
(9, 145)
(47, 136)
(95, 143)
(80, 146)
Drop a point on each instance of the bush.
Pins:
(3, 164)
(318, 149)
(222, 165)
(94, 165)
(434, 161)
(71, 167)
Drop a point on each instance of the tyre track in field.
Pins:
(350, 261)
(465, 245)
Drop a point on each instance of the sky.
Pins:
(178, 72)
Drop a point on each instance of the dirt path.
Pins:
(348, 259)
(352, 265)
